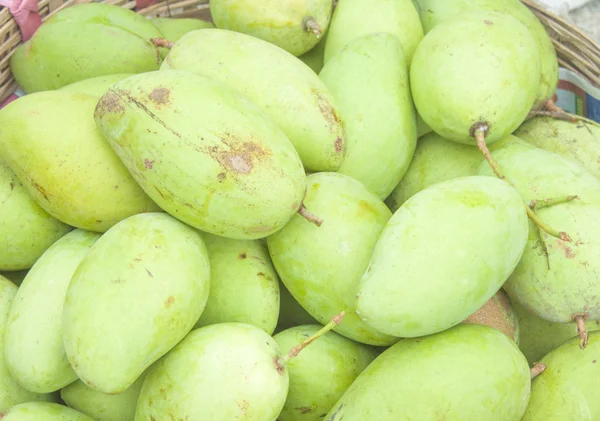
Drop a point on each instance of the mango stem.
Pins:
(308, 215)
(544, 203)
(160, 42)
(582, 332)
(537, 369)
(559, 115)
(310, 25)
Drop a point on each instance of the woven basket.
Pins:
(575, 50)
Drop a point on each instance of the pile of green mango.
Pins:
(302, 210)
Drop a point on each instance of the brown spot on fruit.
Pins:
(260, 274)
(12, 186)
(149, 273)
(41, 190)
(327, 110)
(568, 251)
(169, 301)
(160, 96)
(488, 22)
(304, 409)
(243, 255)
(221, 176)
(339, 144)
(238, 157)
(148, 164)
(109, 103)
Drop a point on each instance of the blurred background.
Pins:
(583, 13)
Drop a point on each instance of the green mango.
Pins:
(51, 142)
(43, 411)
(321, 374)
(578, 141)
(101, 406)
(494, 77)
(294, 25)
(27, 230)
(442, 255)
(236, 266)
(95, 86)
(469, 372)
(555, 279)
(16, 277)
(204, 153)
(355, 18)
(293, 95)
(435, 160)
(315, 58)
(369, 78)
(321, 266)
(34, 351)
(174, 28)
(434, 12)
(291, 313)
(84, 41)
(537, 337)
(11, 392)
(225, 371)
(138, 292)
(568, 389)
(497, 312)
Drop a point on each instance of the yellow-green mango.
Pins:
(444, 253)
(174, 28)
(51, 142)
(321, 266)
(435, 160)
(227, 371)
(138, 292)
(355, 18)
(292, 95)
(34, 350)
(84, 41)
(579, 141)
(315, 58)
(244, 286)
(321, 373)
(203, 153)
(369, 78)
(294, 25)
(11, 392)
(568, 389)
(95, 86)
(497, 312)
(469, 372)
(291, 313)
(27, 229)
(43, 411)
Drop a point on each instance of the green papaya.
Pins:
(174, 28)
(225, 371)
(84, 41)
(469, 372)
(321, 266)
(95, 86)
(137, 293)
(27, 229)
(311, 393)
(355, 18)
(203, 153)
(426, 277)
(51, 142)
(43, 411)
(292, 95)
(369, 78)
(291, 313)
(497, 312)
(315, 58)
(236, 266)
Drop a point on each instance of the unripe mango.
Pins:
(95, 86)
(43, 411)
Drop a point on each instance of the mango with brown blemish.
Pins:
(138, 292)
(204, 153)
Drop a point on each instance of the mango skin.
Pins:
(27, 230)
(369, 78)
(51, 142)
(11, 392)
(244, 286)
(568, 388)
(423, 277)
(33, 349)
(84, 41)
(204, 153)
(321, 373)
(435, 160)
(43, 411)
(294, 97)
(494, 78)
(498, 312)
(95, 86)
(321, 266)
(174, 28)
(153, 261)
(291, 313)
(225, 371)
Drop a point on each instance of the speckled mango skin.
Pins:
(293, 96)
(321, 266)
(27, 230)
(34, 349)
(554, 279)
(470, 372)
(481, 66)
(568, 389)
(279, 22)
(43, 411)
(369, 78)
(498, 313)
(426, 277)
(151, 271)
(204, 153)
(51, 142)
(321, 373)
(95, 86)
(226, 371)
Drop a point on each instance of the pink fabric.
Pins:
(8, 101)
(142, 4)
(26, 15)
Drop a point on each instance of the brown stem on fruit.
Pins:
(160, 42)
(582, 332)
(306, 214)
(544, 203)
(310, 25)
(552, 107)
(537, 369)
(559, 115)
